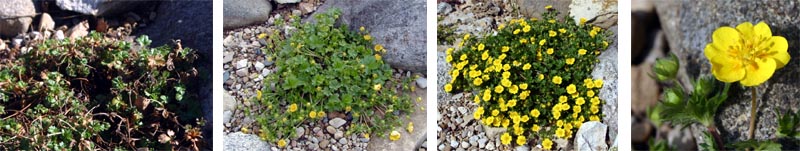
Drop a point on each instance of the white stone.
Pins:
(230, 101)
(59, 35)
(591, 9)
(259, 66)
(422, 82)
(242, 63)
(242, 72)
(591, 136)
(337, 122)
(286, 1)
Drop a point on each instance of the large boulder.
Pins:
(16, 17)
(397, 25)
(99, 7)
(600, 12)
(238, 13)
(606, 69)
(244, 142)
(591, 136)
(535, 8)
(689, 25)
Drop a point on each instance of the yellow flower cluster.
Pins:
(555, 102)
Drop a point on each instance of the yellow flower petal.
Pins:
(762, 30)
(759, 73)
(725, 37)
(778, 51)
(746, 29)
(727, 69)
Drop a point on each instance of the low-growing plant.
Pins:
(323, 68)
(99, 92)
(531, 75)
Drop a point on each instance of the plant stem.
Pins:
(717, 138)
(753, 114)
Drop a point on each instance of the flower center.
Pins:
(750, 49)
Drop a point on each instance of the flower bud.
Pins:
(674, 96)
(666, 68)
(703, 86)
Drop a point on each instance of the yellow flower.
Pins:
(535, 113)
(524, 118)
(747, 54)
(594, 118)
(449, 58)
(541, 76)
(506, 75)
(556, 80)
(312, 114)
(570, 61)
(282, 143)
(485, 55)
(516, 31)
(448, 87)
(547, 144)
(583, 21)
(505, 139)
(548, 7)
(463, 57)
(589, 93)
(502, 56)
(495, 112)
(262, 36)
(505, 49)
(379, 48)
(498, 89)
(478, 113)
(571, 89)
(556, 114)
(598, 83)
(580, 101)
(552, 21)
(524, 95)
(258, 95)
(562, 30)
(480, 46)
(377, 56)
(489, 120)
(410, 127)
(376, 87)
(394, 135)
(576, 108)
(605, 44)
(594, 109)
(466, 36)
(581, 51)
(292, 108)
(560, 133)
(523, 86)
(501, 26)
(521, 140)
(562, 99)
(367, 37)
(361, 28)
(535, 128)
(511, 103)
(506, 67)
(595, 101)
(487, 95)
(549, 51)
(541, 42)
(526, 29)
(552, 33)
(526, 66)
(593, 33)
(347, 109)
(477, 81)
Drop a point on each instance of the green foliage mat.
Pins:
(322, 69)
(98, 92)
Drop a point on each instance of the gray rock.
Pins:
(606, 69)
(397, 25)
(535, 8)
(522, 148)
(99, 7)
(595, 11)
(299, 132)
(490, 146)
(453, 143)
(681, 138)
(492, 132)
(591, 136)
(227, 57)
(226, 116)
(244, 142)
(444, 8)
(259, 66)
(229, 101)
(482, 142)
(242, 72)
(59, 35)
(422, 82)
(338, 134)
(330, 129)
(46, 23)
(16, 17)
(337, 122)
(242, 64)
(343, 141)
(287, 1)
(79, 30)
(17, 42)
(324, 143)
(172, 21)
(245, 12)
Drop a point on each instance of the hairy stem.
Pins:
(717, 138)
(753, 114)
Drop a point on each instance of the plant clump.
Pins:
(99, 92)
(531, 75)
(324, 69)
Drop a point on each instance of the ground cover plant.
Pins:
(99, 92)
(324, 68)
(532, 76)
